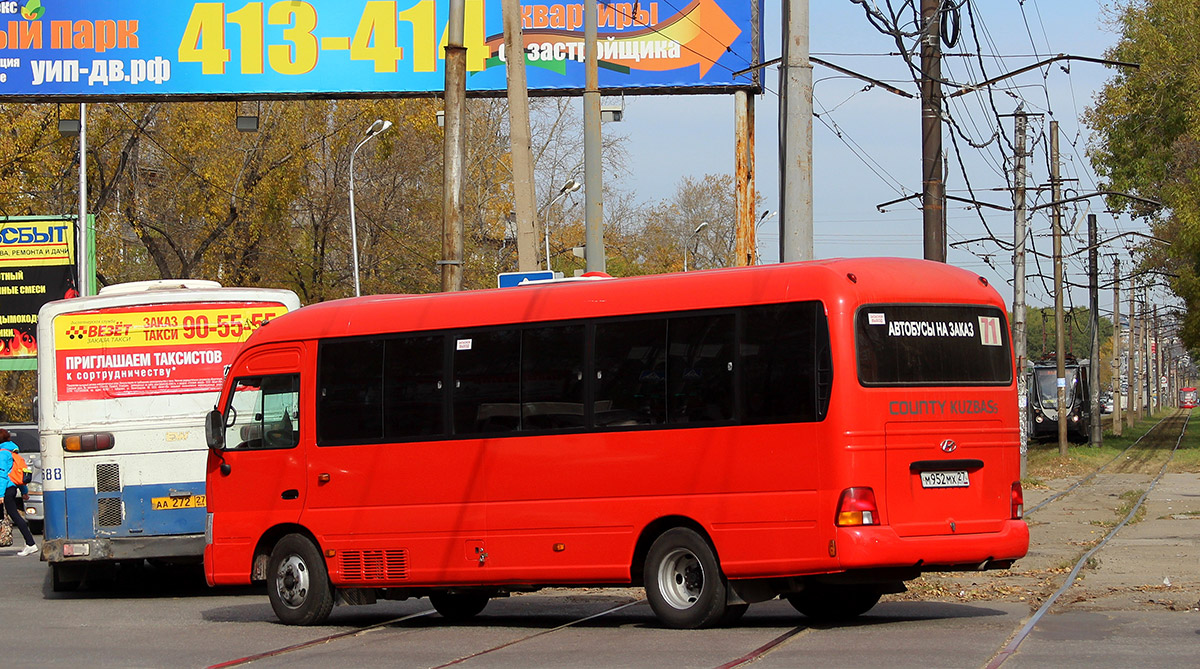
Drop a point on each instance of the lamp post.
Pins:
(376, 128)
(570, 187)
(689, 241)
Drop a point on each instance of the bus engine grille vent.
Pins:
(108, 478)
(375, 565)
(108, 512)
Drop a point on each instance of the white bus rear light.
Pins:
(1018, 501)
(88, 443)
(857, 507)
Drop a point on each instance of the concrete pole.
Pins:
(1116, 360)
(593, 184)
(1020, 346)
(1096, 429)
(1132, 362)
(933, 200)
(746, 245)
(520, 138)
(454, 150)
(82, 259)
(795, 137)
(1060, 343)
(1157, 357)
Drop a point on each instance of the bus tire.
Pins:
(459, 606)
(298, 582)
(831, 603)
(684, 583)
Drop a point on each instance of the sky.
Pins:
(867, 143)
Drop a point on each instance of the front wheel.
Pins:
(298, 582)
(684, 583)
(830, 603)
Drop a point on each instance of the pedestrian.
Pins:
(11, 490)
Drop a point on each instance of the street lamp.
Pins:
(376, 128)
(570, 187)
(689, 241)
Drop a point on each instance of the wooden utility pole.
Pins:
(933, 200)
(1116, 361)
(1094, 426)
(746, 244)
(454, 149)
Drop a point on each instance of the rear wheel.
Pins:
(828, 603)
(459, 606)
(684, 583)
(298, 582)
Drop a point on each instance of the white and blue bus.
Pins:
(124, 380)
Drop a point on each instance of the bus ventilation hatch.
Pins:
(108, 478)
(375, 565)
(108, 512)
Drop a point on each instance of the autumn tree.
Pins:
(1147, 138)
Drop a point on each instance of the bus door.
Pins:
(263, 478)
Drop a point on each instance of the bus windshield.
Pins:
(932, 345)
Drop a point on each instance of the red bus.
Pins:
(1187, 398)
(818, 431)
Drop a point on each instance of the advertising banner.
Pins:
(152, 350)
(105, 49)
(37, 265)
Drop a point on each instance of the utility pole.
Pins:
(454, 149)
(1059, 340)
(1156, 358)
(746, 244)
(520, 138)
(1132, 362)
(1097, 433)
(795, 146)
(1021, 121)
(593, 183)
(933, 201)
(1116, 420)
(82, 258)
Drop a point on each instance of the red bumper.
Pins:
(871, 547)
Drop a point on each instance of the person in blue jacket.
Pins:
(12, 490)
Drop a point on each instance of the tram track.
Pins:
(1148, 443)
(1160, 435)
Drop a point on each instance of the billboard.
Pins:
(152, 350)
(37, 265)
(104, 49)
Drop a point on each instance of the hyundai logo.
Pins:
(948, 446)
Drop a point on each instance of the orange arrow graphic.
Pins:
(702, 31)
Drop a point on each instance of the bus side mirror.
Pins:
(214, 430)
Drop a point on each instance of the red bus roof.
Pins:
(854, 281)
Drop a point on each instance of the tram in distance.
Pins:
(1043, 399)
(125, 378)
(819, 431)
(1187, 398)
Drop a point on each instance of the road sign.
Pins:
(510, 279)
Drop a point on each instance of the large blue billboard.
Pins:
(105, 49)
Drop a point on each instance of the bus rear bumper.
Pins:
(123, 548)
(881, 546)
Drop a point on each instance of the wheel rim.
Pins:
(681, 578)
(291, 581)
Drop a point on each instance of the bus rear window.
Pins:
(932, 345)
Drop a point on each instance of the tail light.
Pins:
(857, 507)
(87, 443)
(1018, 501)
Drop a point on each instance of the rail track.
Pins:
(1160, 442)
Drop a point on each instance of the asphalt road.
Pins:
(167, 618)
